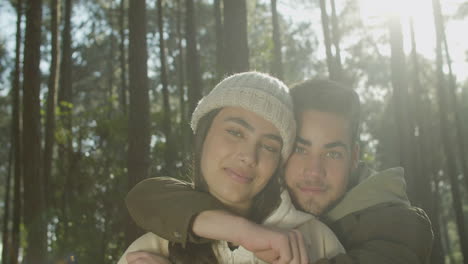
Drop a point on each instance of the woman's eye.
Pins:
(270, 148)
(234, 132)
(335, 155)
(299, 149)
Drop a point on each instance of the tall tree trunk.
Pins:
(123, 61)
(445, 238)
(6, 234)
(193, 61)
(17, 146)
(65, 104)
(277, 64)
(34, 220)
(65, 91)
(235, 36)
(336, 35)
(403, 118)
(444, 126)
(460, 135)
(219, 40)
(327, 41)
(51, 98)
(138, 121)
(424, 196)
(186, 132)
(169, 148)
(110, 61)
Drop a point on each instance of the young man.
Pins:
(369, 212)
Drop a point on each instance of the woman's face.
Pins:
(240, 154)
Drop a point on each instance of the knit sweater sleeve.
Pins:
(166, 207)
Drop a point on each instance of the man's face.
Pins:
(318, 170)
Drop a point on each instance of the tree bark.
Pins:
(123, 61)
(235, 36)
(169, 148)
(185, 131)
(193, 62)
(65, 150)
(404, 121)
(327, 41)
(51, 99)
(336, 35)
(444, 126)
(277, 65)
(138, 121)
(6, 234)
(34, 220)
(219, 40)
(110, 60)
(17, 146)
(460, 135)
(424, 196)
(65, 92)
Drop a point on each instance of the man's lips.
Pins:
(312, 189)
(238, 175)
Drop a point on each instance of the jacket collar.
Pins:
(388, 186)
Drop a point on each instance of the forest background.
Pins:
(96, 96)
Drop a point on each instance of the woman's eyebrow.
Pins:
(240, 121)
(274, 137)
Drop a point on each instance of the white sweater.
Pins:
(319, 239)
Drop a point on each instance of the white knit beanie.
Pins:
(260, 93)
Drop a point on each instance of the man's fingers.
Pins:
(133, 256)
(302, 248)
(296, 254)
(142, 257)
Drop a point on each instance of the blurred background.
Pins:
(96, 96)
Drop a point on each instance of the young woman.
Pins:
(244, 130)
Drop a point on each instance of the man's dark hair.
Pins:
(328, 96)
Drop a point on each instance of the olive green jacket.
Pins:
(374, 221)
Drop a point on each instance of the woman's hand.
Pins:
(268, 244)
(274, 245)
(142, 257)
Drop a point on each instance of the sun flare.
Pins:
(403, 8)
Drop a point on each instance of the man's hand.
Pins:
(142, 257)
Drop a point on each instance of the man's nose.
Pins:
(313, 167)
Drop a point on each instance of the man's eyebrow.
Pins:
(249, 127)
(303, 141)
(338, 143)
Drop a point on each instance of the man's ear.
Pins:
(356, 151)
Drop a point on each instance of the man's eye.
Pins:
(335, 155)
(234, 132)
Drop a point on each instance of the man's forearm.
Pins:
(166, 207)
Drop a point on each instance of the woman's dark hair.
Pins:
(264, 202)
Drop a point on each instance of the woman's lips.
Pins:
(238, 175)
